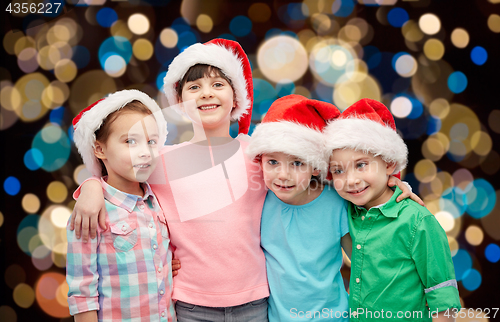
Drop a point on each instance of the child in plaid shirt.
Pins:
(125, 273)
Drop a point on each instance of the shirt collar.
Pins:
(390, 209)
(122, 199)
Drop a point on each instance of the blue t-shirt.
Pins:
(304, 256)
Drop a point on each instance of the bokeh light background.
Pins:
(434, 63)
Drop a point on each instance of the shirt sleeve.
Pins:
(77, 192)
(432, 257)
(81, 273)
(344, 222)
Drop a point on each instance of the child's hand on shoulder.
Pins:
(393, 181)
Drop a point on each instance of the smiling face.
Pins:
(361, 178)
(208, 101)
(289, 178)
(130, 151)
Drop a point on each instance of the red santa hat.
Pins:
(293, 126)
(229, 57)
(368, 126)
(89, 120)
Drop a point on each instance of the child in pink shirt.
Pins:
(211, 194)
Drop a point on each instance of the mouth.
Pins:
(208, 107)
(283, 187)
(357, 192)
(142, 166)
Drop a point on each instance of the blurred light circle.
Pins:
(471, 279)
(263, 91)
(453, 245)
(429, 24)
(12, 186)
(8, 314)
(325, 68)
(81, 173)
(240, 26)
(81, 56)
(397, 17)
(481, 143)
(23, 43)
(24, 236)
(30, 203)
(41, 258)
(439, 108)
(457, 82)
(483, 198)
(57, 191)
(55, 152)
(406, 66)
(491, 222)
(55, 94)
(33, 159)
(462, 262)
(204, 23)
(10, 98)
(411, 31)
(474, 235)
(65, 70)
(282, 58)
(347, 92)
(115, 66)
(120, 29)
(460, 38)
(462, 178)
(324, 92)
(142, 49)
(23, 295)
(425, 170)
(259, 12)
(138, 24)
(27, 60)
(401, 107)
(434, 49)
(494, 23)
(492, 253)
(459, 131)
(31, 110)
(343, 8)
(186, 39)
(62, 294)
(433, 149)
(479, 55)
(14, 274)
(285, 88)
(34, 242)
(446, 220)
(106, 17)
(113, 46)
(59, 216)
(46, 292)
(168, 38)
(339, 58)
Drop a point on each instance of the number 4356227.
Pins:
(33, 7)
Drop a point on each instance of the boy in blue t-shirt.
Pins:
(401, 265)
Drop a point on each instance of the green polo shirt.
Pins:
(400, 261)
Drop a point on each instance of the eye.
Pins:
(272, 162)
(337, 171)
(361, 165)
(297, 163)
(219, 84)
(152, 142)
(193, 87)
(130, 141)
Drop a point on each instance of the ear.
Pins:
(99, 149)
(390, 168)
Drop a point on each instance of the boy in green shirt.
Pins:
(401, 266)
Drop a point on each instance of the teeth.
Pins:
(142, 166)
(208, 107)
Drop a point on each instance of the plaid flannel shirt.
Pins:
(125, 272)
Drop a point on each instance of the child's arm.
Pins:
(442, 318)
(89, 316)
(176, 265)
(393, 181)
(346, 243)
(88, 210)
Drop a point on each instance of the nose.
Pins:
(352, 179)
(206, 92)
(283, 173)
(145, 151)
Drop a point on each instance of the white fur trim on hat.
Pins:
(91, 121)
(291, 138)
(210, 54)
(369, 137)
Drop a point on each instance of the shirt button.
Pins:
(141, 207)
(357, 280)
(362, 217)
(358, 247)
(161, 292)
(150, 225)
(124, 228)
(162, 313)
(354, 313)
(155, 247)
(159, 269)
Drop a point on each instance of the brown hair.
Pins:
(103, 132)
(199, 71)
